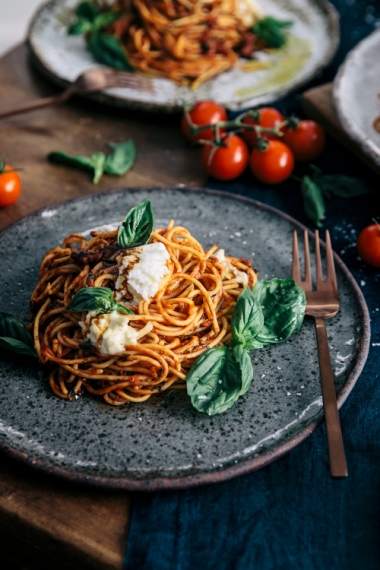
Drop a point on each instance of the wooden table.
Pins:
(45, 522)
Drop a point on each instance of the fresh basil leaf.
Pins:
(313, 202)
(92, 299)
(77, 161)
(14, 335)
(108, 49)
(98, 299)
(283, 304)
(12, 326)
(98, 161)
(247, 321)
(121, 309)
(341, 186)
(95, 163)
(137, 226)
(104, 19)
(87, 11)
(15, 345)
(214, 382)
(244, 363)
(272, 31)
(121, 159)
(79, 28)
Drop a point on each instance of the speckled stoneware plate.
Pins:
(313, 42)
(357, 96)
(168, 444)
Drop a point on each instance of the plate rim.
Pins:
(246, 466)
(347, 124)
(331, 15)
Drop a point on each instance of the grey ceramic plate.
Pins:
(356, 96)
(169, 444)
(313, 42)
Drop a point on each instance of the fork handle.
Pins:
(338, 465)
(38, 104)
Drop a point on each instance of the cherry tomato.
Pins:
(10, 185)
(307, 141)
(203, 113)
(369, 245)
(269, 118)
(227, 162)
(274, 164)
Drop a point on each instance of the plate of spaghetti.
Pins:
(159, 365)
(238, 53)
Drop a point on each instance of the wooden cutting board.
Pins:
(45, 522)
(318, 104)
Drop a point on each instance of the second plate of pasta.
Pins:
(182, 71)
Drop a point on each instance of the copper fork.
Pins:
(94, 79)
(323, 304)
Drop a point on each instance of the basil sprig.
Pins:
(283, 304)
(117, 163)
(106, 48)
(14, 335)
(271, 31)
(218, 378)
(247, 321)
(137, 226)
(98, 299)
(317, 187)
(269, 314)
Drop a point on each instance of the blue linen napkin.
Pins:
(290, 514)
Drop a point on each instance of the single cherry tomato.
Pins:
(369, 245)
(10, 185)
(269, 118)
(203, 113)
(274, 164)
(307, 141)
(228, 161)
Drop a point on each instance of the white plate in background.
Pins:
(312, 43)
(356, 95)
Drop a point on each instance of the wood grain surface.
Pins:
(45, 522)
(318, 103)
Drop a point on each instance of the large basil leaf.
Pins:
(79, 28)
(247, 321)
(14, 335)
(90, 19)
(95, 163)
(121, 159)
(98, 299)
(243, 361)
(339, 185)
(108, 49)
(87, 11)
(283, 304)
(313, 201)
(137, 226)
(218, 378)
(272, 31)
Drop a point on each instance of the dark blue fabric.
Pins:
(290, 514)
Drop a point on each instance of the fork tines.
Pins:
(322, 284)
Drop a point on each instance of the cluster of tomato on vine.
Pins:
(262, 138)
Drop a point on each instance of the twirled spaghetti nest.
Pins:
(188, 41)
(190, 313)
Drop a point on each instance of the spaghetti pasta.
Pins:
(190, 313)
(188, 41)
